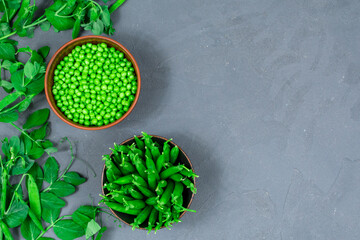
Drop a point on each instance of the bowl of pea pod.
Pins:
(148, 182)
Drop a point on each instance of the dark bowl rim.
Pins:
(187, 158)
(47, 77)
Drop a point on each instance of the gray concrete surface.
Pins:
(264, 97)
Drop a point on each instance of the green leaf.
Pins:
(37, 174)
(9, 117)
(68, 230)
(37, 118)
(36, 152)
(50, 200)
(45, 26)
(60, 23)
(93, 13)
(62, 189)
(84, 214)
(51, 170)
(30, 70)
(105, 16)
(97, 27)
(7, 51)
(91, 229)
(36, 85)
(44, 51)
(29, 230)
(14, 144)
(46, 144)
(4, 29)
(17, 214)
(9, 99)
(40, 133)
(17, 79)
(74, 178)
(21, 166)
(45, 238)
(24, 104)
(27, 143)
(7, 86)
(50, 215)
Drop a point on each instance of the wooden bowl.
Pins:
(187, 194)
(64, 51)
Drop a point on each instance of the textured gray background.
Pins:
(264, 97)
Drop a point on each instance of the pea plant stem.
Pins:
(51, 225)
(15, 192)
(27, 135)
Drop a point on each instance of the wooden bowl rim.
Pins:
(187, 158)
(57, 111)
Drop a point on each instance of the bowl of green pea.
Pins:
(148, 182)
(92, 83)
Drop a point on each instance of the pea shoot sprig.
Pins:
(18, 17)
(38, 211)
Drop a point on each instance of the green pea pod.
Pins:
(182, 209)
(152, 219)
(146, 192)
(136, 194)
(152, 200)
(188, 173)
(34, 196)
(144, 214)
(159, 189)
(177, 193)
(122, 189)
(116, 156)
(135, 150)
(176, 215)
(111, 177)
(119, 197)
(152, 179)
(121, 208)
(187, 182)
(35, 219)
(164, 199)
(174, 154)
(147, 139)
(171, 171)
(111, 186)
(139, 143)
(4, 181)
(137, 180)
(134, 204)
(152, 172)
(122, 148)
(109, 164)
(160, 162)
(116, 5)
(6, 231)
(155, 152)
(177, 177)
(166, 150)
(140, 167)
(127, 168)
(124, 180)
(148, 153)
(159, 222)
